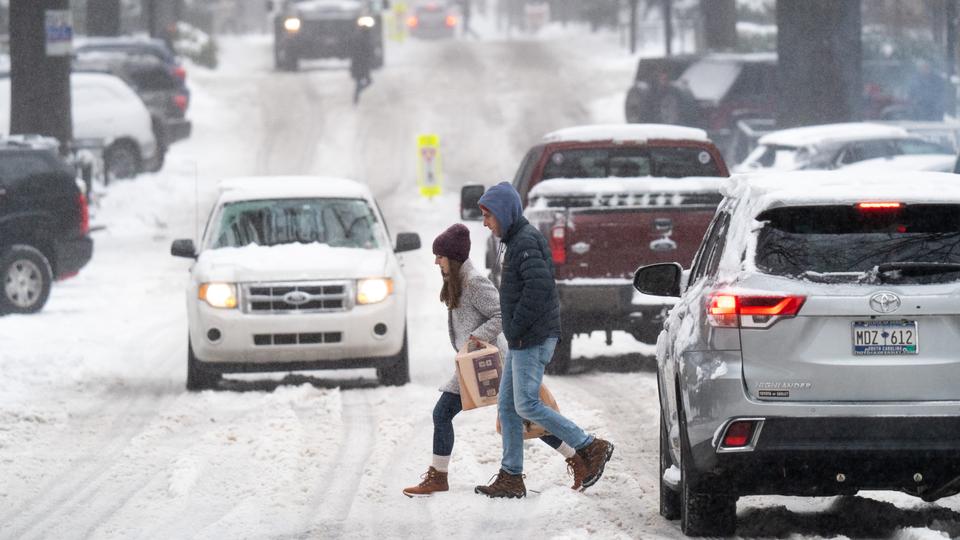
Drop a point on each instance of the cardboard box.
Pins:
(479, 370)
(532, 429)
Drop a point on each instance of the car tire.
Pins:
(669, 498)
(562, 355)
(398, 372)
(25, 279)
(122, 160)
(199, 378)
(702, 513)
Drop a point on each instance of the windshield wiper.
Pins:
(833, 277)
(916, 268)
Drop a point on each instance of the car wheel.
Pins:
(669, 498)
(122, 160)
(25, 278)
(198, 378)
(702, 513)
(562, 355)
(398, 372)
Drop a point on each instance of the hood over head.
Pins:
(504, 203)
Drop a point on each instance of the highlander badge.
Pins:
(296, 298)
(884, 302)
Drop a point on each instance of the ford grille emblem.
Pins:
(884, 302)
(296, 298)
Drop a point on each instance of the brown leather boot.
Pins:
(506, 485)
(433, 481)
(595, 455)
(578, 468)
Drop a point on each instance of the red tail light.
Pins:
(732, 311)
(738, 434)
(866, 206)
(84, 213)
(180, 73)
(412, 21)
(451, 21)
(181, 101)
(558, 244)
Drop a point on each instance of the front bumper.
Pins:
(803, 447)
(320, 39)
(72, 255)
(275, 342)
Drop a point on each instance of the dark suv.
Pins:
(44, 223)
(323, 29)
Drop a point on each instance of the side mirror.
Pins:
(183, 248)
(659, 279)
(469, 202)
(407, 242)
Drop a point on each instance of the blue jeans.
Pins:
(447, 407)
(520, 399)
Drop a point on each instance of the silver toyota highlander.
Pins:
(815, 346)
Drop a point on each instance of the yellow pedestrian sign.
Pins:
(429, 165)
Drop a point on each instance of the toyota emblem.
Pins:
(296, 298)
(884, 302)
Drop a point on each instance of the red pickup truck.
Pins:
(610, 199)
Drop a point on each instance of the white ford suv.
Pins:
(295, 273)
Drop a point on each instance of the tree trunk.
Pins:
(818, 46)
(103, 17)
(39, 83)
(668, 26)
(719, 24)
(161, 18)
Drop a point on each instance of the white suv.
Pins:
(295, 273)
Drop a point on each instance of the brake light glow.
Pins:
(451, 21)
(413, 21)
(180, 100)
(733, 311)
(558, 244)
(84, 213)
(738, 434)
(180, 73)
(879, 205)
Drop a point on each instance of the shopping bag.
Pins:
(479, 368)
(533, 430)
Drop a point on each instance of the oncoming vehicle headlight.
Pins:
(291, 24)
(371, 291)
(219, 295)
(366, 21)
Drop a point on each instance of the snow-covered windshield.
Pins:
(710, 80)
(919, 243)
(335, 222)
(621, 162)
(776, 157)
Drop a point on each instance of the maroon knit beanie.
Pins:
(453, 243)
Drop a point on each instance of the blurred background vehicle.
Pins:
(309, 29)
(432, 20)
(833, 146)
(44, 222)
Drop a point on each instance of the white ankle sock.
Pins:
(441, 463)
(566, 450)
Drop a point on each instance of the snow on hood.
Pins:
(289, 262)
(626, 132)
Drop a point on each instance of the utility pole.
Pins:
(950, 61)
(668, 25)
(41, 33)
(161, 17)
(633, 26)
(103, 17)
(719, 24)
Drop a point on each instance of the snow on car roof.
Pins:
(906, 162)
(809, 135)
(842, 186)
(566, 187)
(625, 132)
(296, 187)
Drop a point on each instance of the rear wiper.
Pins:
(833, 277)
(898, 269)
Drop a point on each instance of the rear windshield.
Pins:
(710, 80)
(630, 162)
(336, 222)
(911, 244)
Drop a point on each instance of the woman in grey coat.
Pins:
(473, 313)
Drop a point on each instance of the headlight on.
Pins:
(366, 21)
(291, 24)
(219, 295)
(371, 291)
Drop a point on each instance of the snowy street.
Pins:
(100, 439)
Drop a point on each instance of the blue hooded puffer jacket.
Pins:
(529, 302)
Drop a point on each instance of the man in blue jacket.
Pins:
(530, 308)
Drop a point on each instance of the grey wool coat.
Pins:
(478, 314)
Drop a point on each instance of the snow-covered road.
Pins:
(98, 437)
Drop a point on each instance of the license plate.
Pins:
(882, 338)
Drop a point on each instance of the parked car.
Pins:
(322, 29)
(162, 92)
(296, 274)
(906, 162)
(432, 20)
(609, 198)
(106, 110)
(134, 46)
(810, 343)
(832, 146)
(44, 222)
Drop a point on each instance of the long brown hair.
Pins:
(452, 286)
